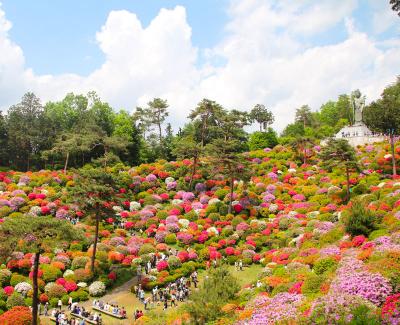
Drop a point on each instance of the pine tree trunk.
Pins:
(231, 196)
(35, 300)
(66, 163)
(348, 184)
(393, 155)
(96, 238)
(193, 173)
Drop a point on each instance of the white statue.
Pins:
(358, 104)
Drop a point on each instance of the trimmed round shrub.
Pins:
(17, 278)
(50, 273)
(15, 300)
(56, 291)
(80, 262)
(170, 239)
(97, 289)
(146, 249)
(5, 277)
(17, 316)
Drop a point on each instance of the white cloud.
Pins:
(267, 49)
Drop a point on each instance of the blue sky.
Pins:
(280, 53)
(59, 36)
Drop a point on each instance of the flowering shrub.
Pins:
(97, 289)
(281, 308)
(17, 316)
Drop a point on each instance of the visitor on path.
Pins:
(173, 299)
(46, 309)
(59, 304)
(240, 265)
(146, 302)
(69, 303)
(165, 302)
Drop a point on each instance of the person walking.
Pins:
(59, 304)
(46, 309)
(69, 303)
(240, 265)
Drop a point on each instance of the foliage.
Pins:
(216, 290)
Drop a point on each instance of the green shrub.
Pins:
(221, 193)
(377, 233)
(15, 300)
(260, 140)
(361, 221)
(174, 262)
(82, 295)
(28, 301)
(170, 239)
(76, 247)
(56, 291)
(53, 302)
(79, 262)
(50, 273)
(325, 264)
(312, 284)
(17, 278)
(146, 249)
(5, 277)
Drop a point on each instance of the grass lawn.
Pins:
(123, 297)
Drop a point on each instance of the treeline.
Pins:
(83, 129)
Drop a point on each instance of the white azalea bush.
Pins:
(97, 289)
(23, 288)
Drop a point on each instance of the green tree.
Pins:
(304, 115)
(260, 140)
(293, 130)
(361, 221)
(225, 160)
(395, 5)
(339, 153)
(102, 113)
(302, 146)
(262, 116)
(157, 113)
(28, 130)
(93, 189)
(206, 114)
(217, 289)
(383, 115)
(36, 235)
(187, 147)
(3, 142)
(67, 113)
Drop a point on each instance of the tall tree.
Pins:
(3, 142)
(262, 116)
(37, 236)
(302, 147)
(304, 115)
(157, 113)
(383, 115)
(395, 6)
(205, 112)
(93, 190)
(28, 130)
(226, 161)
(339, 153)
(187, 147)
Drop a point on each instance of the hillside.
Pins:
(324, 260)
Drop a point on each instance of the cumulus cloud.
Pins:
(268, 51)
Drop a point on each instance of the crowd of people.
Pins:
(169, 296)
(82, 312)
(110, 308)
(61, 318)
